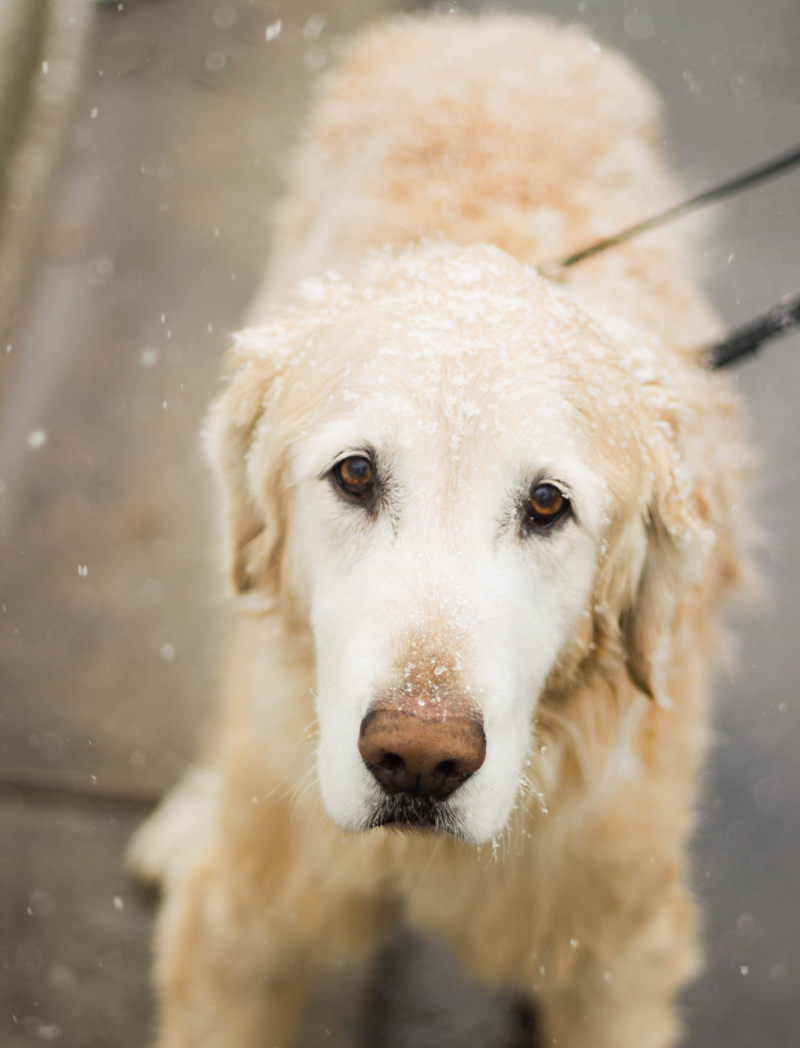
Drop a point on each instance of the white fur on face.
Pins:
(466, 378)
(445, 561)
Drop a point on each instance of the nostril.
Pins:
(449, 770)
(393, 773)
(392, 762)
(446, 778)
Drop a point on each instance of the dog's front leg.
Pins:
(626, 1001)
(224, 981)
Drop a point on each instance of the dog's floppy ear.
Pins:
(250, 484)
(647, 617)
(676, 543)
(654, 553)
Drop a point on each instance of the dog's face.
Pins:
(436, 471)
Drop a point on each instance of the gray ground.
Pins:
(153, 241)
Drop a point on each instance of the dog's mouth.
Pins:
(406, 811)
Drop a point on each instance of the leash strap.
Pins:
(745, 180)
(744, 340)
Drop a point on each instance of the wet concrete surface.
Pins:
(154, 240)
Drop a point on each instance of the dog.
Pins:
(480, 522)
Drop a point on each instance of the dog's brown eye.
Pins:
(355, 476)
(546, 505)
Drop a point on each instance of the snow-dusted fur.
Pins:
(475, 149)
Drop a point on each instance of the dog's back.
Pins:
(507, 130)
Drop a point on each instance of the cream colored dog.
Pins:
(481, 522)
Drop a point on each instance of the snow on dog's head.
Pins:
(465, 489)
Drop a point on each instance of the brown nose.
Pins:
(420, 754)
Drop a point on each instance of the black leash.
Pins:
(746, 339)
(734, 185)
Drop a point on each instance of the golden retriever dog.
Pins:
(480, 522)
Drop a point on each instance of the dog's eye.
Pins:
(355, 477)
(546, 505)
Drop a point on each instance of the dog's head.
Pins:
(465, 488)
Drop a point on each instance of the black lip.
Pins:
(415, 812)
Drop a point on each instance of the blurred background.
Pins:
(142, 146)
